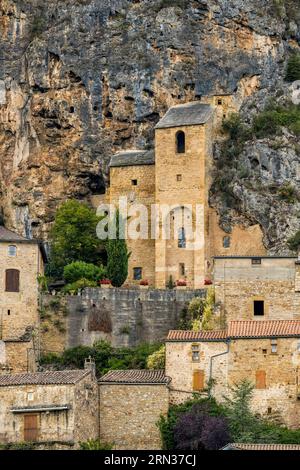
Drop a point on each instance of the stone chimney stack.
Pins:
(89, 364)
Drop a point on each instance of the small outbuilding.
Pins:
(131, 403)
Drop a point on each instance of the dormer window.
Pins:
(12, 250)
(180, 142)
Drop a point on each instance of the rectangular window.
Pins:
(134, 182)
(226, 242)
(259, 308)
(195, 353)
(182, 269)
(260, 379)
(274, 346)
(137, 274)
(256, 261)
(179, 177)
(198, 380)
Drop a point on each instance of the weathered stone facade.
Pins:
(241, 281)
(129, 412)
(21, 264)
(258, 351)
(63, 405)
(124, 317)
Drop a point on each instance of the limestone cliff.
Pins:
(80, 79)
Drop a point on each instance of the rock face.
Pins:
(80, 79)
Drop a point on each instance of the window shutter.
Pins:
(198, 380)
(12, 280)
(260, 379)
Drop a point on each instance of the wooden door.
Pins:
(198, 380)
(12, 280)
(30, 428)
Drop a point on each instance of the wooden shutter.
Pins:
(30, 428)
(260, 379)
(12, 280)
(198, 380)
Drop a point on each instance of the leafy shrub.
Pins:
(94, 444)
(77, 286)
(157, 359)
(288, 193)
(117, 255)
(81, 270)
(274, 117)
(197, 430)
(294, 242)
(105, 356)
(293, 68)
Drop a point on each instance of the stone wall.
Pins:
(79, 423)
(238, 283)
(125, 317)
(129, 413)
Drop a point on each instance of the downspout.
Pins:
(211, 363)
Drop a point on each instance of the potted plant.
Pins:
(181, 284)
(144, 284)
(105, 283)
(208, 282)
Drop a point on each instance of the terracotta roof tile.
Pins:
(189, 335)
(44, 378)
(269, 328)
(241, 446)
(243, 330)
(135, 377)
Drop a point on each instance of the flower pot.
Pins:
(181, 287)
(105, 286)
(144, 287)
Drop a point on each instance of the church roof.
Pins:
(188, 114)
(133, 158)
(9, 236)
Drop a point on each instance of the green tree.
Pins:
(293, 68)
(73, 237)
(81, 270)
(243, 424)
(156, 360)
(117, 253)
(294, 242)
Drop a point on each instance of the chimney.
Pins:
(89, 364)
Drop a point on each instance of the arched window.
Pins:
(181, 238)
(12, 250)
(12, 280)
(180, 142)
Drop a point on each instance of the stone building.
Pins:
(265, 352)
(22, 262)
(131, 403)
(172, 182)
(55, 408)
(258, 288)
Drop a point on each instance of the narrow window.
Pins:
(264, 351)
(226, 242)
(274, 346)
(269, 411)
(220, 102)
(260, 379)
(180, 142)
(12, 250)
(179, 177)
(198, 380)
(134, 182)
(259, 308)
(182, 269)
(195, 353)
(8, 312)
(137, 274)
(12, 280)
(181, 238)
(256, 261)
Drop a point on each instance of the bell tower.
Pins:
(183, 151)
